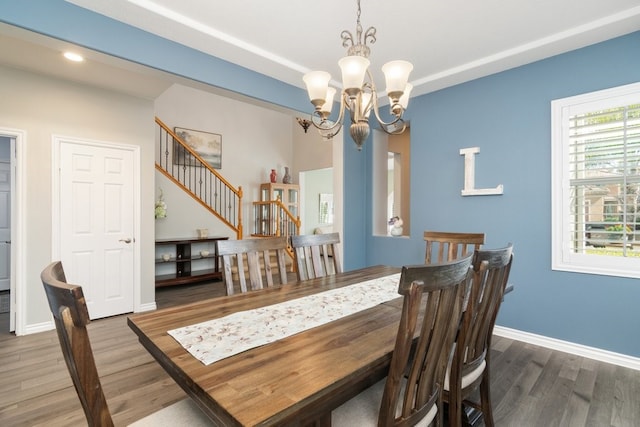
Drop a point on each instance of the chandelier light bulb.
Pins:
(328, 101)
(317, 83)
(404, 99)
(396, 74)
(353, 71)
(402, 102)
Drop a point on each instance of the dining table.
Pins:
(295, 380)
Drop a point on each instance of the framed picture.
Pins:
(207, 145)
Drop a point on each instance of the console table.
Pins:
(183, 261)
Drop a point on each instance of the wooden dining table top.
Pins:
(293, 381)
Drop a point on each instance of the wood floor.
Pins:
(531, 386)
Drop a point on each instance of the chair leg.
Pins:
(485, 399)
(455, 408)
(322, 421)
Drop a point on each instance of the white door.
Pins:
(5, 226)
(96, 225)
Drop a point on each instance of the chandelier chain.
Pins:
(358, 46)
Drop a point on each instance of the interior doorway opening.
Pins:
(7, 256)
(317, 207)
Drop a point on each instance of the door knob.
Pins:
(126, 240)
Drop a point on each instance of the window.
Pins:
(596, 182)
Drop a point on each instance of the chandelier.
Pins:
(359, 95)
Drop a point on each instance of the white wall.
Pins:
(43, 106)
(254, 141)
(310, 151)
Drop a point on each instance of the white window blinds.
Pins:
(604, 163)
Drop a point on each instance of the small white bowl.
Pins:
(166, 257)
(204, 253)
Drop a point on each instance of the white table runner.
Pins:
(217, 339)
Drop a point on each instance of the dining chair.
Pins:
(447, 246)
(253, 257)
(411, 394)
(71, 318)
(469, 370)
(316, 255)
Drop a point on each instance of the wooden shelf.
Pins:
(181, 259)
(196, 276)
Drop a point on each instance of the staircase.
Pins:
(176, 160)
(182, 165)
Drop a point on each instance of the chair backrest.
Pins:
(253, 256)
(437, 291)
(71, 317)
(316, 255)
(491, 270)
(446, 246)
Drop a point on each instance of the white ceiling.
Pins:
(448, 42)
(25, 50)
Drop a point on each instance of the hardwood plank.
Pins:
(577, 409)
(600, 409)
(517, 404)
(626, 401)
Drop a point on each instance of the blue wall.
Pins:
(507, 115)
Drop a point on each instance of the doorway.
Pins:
(316, 188)
(94, 221)
(5, 231)
(11, 214)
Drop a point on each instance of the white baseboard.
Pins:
(569, 347)
(47, 326)
(147, 307)
(39, 327)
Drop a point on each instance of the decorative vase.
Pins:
(395, 226)
(273, 176)
(286, 179)
(396, 231)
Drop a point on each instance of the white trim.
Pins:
(18, 213)
(569, 347)
(563, 258)
(146, 307)
(39, 327)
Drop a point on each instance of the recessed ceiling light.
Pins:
(73, 57)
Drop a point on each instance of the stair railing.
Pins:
(188, 170)
(272, 218)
